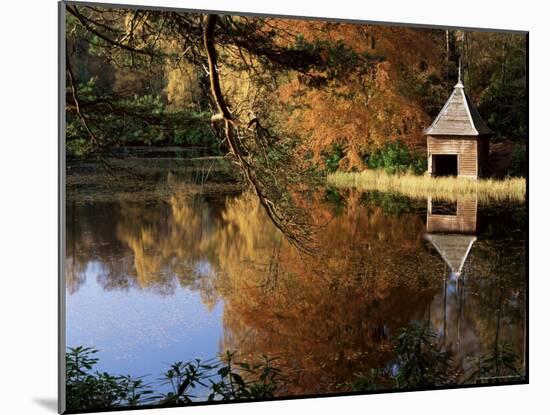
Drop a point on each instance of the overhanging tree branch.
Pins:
(87, 23)
(77, 104)
(296, 232)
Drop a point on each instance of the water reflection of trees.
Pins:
(155, 246)
(172, 245)
(328, 315)
(480, 307)
(489, 307)
(333, 313)
(90, 239)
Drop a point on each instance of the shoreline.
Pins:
(443, 188)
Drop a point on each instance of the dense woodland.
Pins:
(263, 89)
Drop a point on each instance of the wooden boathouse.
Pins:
(458, 139)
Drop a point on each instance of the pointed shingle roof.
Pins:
(459, 116)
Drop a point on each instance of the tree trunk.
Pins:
(294, 232)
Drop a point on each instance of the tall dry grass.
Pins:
(444, 188)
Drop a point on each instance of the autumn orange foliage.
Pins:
(362, 109)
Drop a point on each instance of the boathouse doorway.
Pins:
(444, 165)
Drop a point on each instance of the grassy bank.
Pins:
(444, 188)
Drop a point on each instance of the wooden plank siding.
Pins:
(466, 148)
(465, 220)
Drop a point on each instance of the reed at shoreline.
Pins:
(444, 188)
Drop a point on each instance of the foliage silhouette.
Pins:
(220, 379)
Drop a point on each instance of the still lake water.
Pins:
(173, 260)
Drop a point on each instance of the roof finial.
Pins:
(459, 83)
